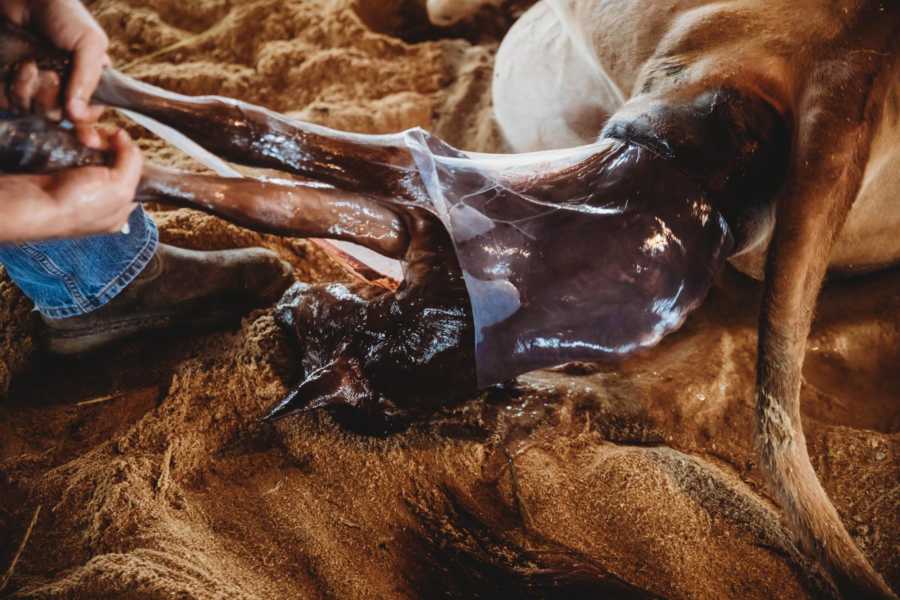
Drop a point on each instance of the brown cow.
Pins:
(569, 69)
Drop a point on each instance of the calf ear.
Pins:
(825, 178)
(340, 383)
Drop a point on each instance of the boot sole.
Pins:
(80, 341)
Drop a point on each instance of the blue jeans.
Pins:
(67, 278)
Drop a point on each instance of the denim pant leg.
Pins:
(67, 278)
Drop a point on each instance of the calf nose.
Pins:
(444, 13)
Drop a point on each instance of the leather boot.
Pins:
(180, 290)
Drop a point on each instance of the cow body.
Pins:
(869, 239)
(569, 70)
(548, 94)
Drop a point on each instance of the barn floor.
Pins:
(155, 479)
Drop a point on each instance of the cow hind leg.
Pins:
(812, 210)
(547, 93)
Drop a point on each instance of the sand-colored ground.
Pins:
(639, 480)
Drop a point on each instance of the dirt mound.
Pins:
(155, 478)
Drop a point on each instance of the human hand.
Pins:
(68, 25)
(74, 202)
